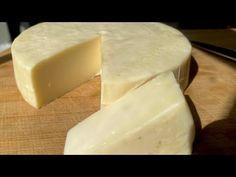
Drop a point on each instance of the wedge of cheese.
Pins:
(152, 119)
(52, 58)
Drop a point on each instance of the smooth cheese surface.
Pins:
(58, 74)
(152, 119)
(130, 54)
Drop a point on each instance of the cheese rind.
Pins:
(131, 53)
(152, 119)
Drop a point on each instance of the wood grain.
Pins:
(211, 96)
(26, 130)
(213, 92)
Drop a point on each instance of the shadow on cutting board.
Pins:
(5, 56)
(218, 137)
(193, 70)
(196, 119)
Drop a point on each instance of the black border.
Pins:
(119, 165)
(194, 11)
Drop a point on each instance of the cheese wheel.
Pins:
(50, 59)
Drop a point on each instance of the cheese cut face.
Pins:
(152, 119)
(52, 58)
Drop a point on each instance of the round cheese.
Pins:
(50, 59)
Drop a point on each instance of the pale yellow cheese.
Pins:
(52, 58)
(57, 74)
(152, 119)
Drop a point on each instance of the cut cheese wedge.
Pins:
(152, 119)
(52, 58)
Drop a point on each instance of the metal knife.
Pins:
(225, 52)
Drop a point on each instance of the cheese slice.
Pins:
(52, 58)
(152, 119)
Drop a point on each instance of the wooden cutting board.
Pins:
(211, 96)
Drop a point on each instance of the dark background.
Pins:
(188, 14)
(14, 27)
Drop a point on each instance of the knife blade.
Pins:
(228, 53)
